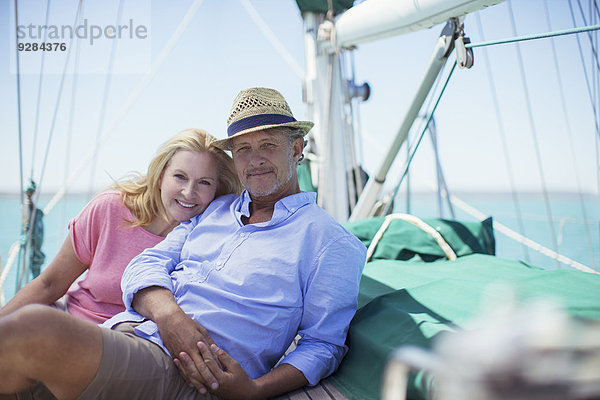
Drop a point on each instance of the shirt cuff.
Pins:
(315, 361)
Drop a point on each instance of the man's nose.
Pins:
(256, 158)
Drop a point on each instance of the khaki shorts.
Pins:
(131, 368)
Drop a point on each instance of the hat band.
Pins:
(258, 120)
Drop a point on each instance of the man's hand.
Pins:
(179, 333)
(233, 381)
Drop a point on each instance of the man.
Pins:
(224, 293)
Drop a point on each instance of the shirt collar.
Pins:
(283, 208)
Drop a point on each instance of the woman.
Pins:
(182, 179)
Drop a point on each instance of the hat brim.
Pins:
(227, 144)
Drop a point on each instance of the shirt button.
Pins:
(242, 235)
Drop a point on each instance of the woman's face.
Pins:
(188, 184)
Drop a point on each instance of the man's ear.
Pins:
(298, 148)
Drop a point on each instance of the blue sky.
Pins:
(222, 51)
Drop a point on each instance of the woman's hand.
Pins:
(230, 380)
(179, 333)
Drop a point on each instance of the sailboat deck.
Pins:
(322, 391)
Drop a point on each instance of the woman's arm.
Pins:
(52, 283)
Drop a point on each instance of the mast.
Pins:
(326, 90)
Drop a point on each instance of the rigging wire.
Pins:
(31, 208)
(533, 131)
(39, 94)
(533, 37)
(107, 85)
(425, 122)
(130, 101)
(145, 81)
(587, 81)
(596, 18)
(569, 134)
(354, 128)
(271, 37)
(416, 146)
(420, 127)
(61, 223)
(356, 111)
(596, 90)
(592, 95)
(17, 248)
(19, 118)
(503, 139)
(353, 175)
(594, 53)
(78, 15)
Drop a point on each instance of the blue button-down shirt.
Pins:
(254, 287)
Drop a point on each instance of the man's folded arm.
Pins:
(154, 265)
(330, 303)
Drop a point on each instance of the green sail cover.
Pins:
(411, 302)
(404, 241)
(304, 177)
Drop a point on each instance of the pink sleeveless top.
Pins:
(104, 241)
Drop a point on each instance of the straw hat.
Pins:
(257, 109)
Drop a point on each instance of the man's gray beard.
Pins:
(277, 186)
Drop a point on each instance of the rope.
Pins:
(13, 252)
(520, 238)
(271, 37)
(534, 36)
(437, 102)
(534, 134)
(569, 133)
(419, 223)
(505, 148)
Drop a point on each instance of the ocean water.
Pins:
(576, 236)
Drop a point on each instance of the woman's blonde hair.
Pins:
(141, 194)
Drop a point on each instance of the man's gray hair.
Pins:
(295, 134)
